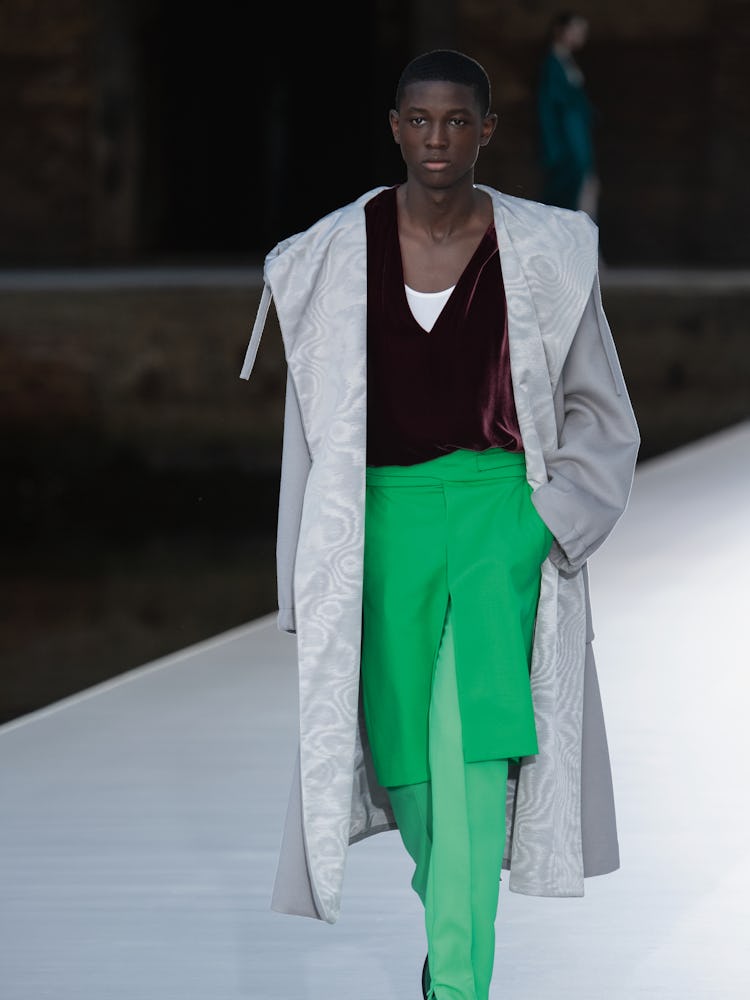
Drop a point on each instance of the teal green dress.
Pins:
(565, 122)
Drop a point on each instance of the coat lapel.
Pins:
(545, 838)
(533, 399)
(557, 253)
(320, 289)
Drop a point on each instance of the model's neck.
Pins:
(562, 50)
(440, 214)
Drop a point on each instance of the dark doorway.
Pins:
(251, 132)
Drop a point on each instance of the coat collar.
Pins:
(545, 298)
(548, 256)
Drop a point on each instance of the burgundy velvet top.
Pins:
(430, 393)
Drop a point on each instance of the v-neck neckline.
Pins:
(404, 302)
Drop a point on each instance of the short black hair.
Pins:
(450, 66)
(563, 19)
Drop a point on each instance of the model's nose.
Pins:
(437, 137)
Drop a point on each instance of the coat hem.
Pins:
(371, 830)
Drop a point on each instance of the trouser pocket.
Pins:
(546, 538)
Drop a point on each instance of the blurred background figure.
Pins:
(565, 120)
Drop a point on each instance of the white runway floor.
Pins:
(140, 820)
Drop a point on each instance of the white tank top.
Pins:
(427, 306)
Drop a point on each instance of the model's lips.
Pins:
(435, 164)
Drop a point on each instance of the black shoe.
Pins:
(425, 978)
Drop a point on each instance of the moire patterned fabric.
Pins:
(581, 442)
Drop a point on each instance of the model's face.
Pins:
(440, 129)
(576, 33)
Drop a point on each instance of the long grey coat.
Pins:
(581, 441)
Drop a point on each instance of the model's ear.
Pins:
(489, 124)
(394, 120)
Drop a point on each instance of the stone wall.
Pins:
(683, 346)
(47, 110)
(117, 399)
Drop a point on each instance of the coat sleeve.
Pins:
(590, 474)
(295, 468)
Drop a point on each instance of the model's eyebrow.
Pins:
(451, 111)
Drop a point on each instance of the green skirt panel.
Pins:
(461, 526)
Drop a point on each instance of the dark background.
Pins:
(150, 131)
(153, 152)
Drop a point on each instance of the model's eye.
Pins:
(417, 120)
(458, 122)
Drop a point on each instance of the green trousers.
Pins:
(453, 826)
(453, 550)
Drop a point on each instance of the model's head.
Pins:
(442, 117)
(446, 66)
(569, 29)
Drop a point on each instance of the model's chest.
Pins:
(432, 267)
